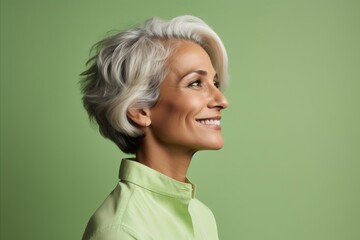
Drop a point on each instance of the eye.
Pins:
(196, 83)
(217, 84)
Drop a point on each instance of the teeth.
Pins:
(210, 122)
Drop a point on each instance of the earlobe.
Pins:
(139, 116)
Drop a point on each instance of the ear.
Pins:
(139, 116)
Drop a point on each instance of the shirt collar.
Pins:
(146, 177)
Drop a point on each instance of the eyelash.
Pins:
(198, 83)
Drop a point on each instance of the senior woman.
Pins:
(156, 91)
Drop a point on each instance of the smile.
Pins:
(209, 122)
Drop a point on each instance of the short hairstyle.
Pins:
(127, 69)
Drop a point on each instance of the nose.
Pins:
(218, 99)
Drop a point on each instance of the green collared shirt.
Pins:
(147, 204)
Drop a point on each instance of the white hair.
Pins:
(128, 68)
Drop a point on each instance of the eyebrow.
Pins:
(200, 72)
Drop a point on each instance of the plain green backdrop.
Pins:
(290, 166)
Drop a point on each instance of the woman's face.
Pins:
(187, 114)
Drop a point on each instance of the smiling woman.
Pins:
(156, 92)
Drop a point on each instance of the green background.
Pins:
(290, 166)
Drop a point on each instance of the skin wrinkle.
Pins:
(163, 104)
(174, 135)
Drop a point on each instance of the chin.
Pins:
(214, 145)
(217, 147)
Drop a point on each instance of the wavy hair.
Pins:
(127, 69)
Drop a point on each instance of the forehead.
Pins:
(189, 56)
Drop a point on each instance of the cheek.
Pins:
(176, 112)
(191, 102)
(182, 105)
(186, 109)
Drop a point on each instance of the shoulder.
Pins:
(203, 219)
(201, 208)
(107, 221)
(114, 232)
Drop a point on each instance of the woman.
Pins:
(156, 92)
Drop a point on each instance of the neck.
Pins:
(171, 161)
